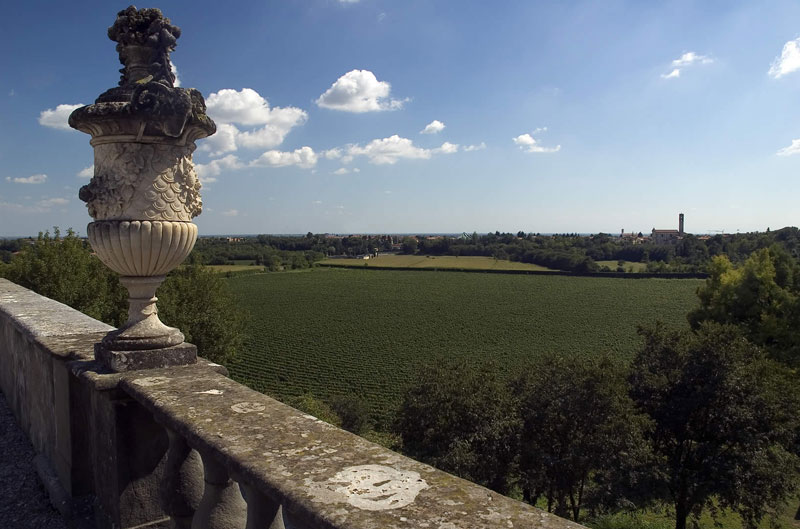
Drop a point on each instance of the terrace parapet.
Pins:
(187, 447)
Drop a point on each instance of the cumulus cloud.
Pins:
(480, 146)
(390, 150)
(528, 143)
(231, 213)
(246, 107)
(359, 91)
(209, 171)
(304, 157)
(447, 148)
(345, 170)
(794, 148)
(789, 60)
(687, 59)
(56, 118)
(33, 179)
(433, 127)
(86, 172)
(332, 154)
(174, 70)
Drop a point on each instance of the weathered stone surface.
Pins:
(38, 316)
(140, 181)
(121, 361)
(323, 476)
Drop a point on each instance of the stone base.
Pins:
(119, 361)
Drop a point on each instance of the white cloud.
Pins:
(478, 147)
(390, 150)
(447, 148)
(174, 70)
(207, 172)
(86, 172)
(691, 57)
(47, 203)
(56, 118)
(433, 127)
(359, 91)
(332, 154)
(231, 213)
(528, 143)
(246, 107)
(304, 157)
(788, 62)
(33, 179)
(345, 170)
(687, 59)
(794, 148)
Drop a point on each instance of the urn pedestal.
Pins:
(145, 192)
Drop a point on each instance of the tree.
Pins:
(353, 412)
(460, 418)
(63, 269)
(410, 245)
(581, 441)
(196, 301)
(723, 421)
(191, 298)
(760, 297)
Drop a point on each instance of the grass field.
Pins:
(337, 331)
(629, 266)
(445, 261)
(233, 268)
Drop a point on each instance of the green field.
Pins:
(629, 266)
(430, 261)
(337, 331)
(234, 268)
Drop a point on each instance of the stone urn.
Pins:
(145, 192)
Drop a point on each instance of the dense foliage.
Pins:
(62, 268)
(461, 419)
(198, 302)
(581, 444)
(761, 296)
(193, 299)
(724, 421)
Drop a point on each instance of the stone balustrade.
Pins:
(188, 447)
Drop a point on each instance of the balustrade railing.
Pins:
(238, 459)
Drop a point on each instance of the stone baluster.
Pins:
(182, 485)
(222, 506)
(262, 511)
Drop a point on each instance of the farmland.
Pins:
(441, 262)
(340, 331)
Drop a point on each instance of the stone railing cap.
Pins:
(322, 475)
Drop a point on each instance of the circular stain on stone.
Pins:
(378, 487)
(248, 407)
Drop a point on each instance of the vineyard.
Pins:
(339, 331)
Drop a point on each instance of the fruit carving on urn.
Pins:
(145, 192)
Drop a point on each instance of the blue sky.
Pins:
(434, 115)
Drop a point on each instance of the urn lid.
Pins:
(146, 104)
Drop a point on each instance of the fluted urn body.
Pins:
(144, 192)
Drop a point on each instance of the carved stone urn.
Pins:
(145, 192)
